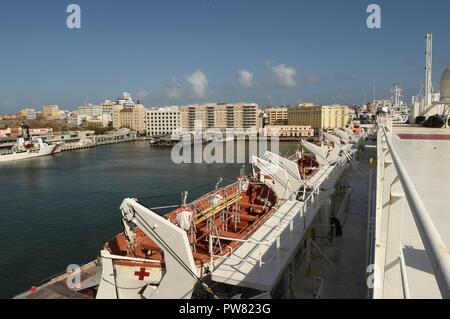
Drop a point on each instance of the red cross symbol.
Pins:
(142, 274)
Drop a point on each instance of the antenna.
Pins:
(428, 72)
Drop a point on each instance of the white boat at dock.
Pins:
(24, 149)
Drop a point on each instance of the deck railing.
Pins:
(394, 191)
(311, 200)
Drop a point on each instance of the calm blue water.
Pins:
(57, 211)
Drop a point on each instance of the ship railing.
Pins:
(317, 292)
(274, 239)
(395, 193)
(141, 260)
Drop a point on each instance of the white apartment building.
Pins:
(90, 110)
(107, 107)
(74, 119)
(162, 121)
(126, 100)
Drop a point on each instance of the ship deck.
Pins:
(243, 268)
(274, 244)
(89, 275)
(425, 153)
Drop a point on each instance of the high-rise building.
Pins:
(319, 117)
(52, 112)
(162, 121)
(107, 107)
(29, 114)
(90, 110)
(132, 118)
(74, 119)
(219, 116)
(277, 115)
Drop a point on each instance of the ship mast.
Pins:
(428, 73)
(398, 101)
(27, 131)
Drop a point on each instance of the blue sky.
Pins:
(170, 52)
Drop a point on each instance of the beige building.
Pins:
(277, 115)
(29, 114)
(51, 113)
(132, 118)
(287, 131)
(319, 117)
(107, 107)
(102, 121)
(219, 115)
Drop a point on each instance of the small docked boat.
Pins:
(26, 149)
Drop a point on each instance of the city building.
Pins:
(289, 131)
(162, 121)
(319, 117)
(28, 114)
(95, 122)
(10, 117)
(90, 110)
(381, 103)
(102, 121)
(127, 117)
(107, 107)
(51, 113)
(11, 132)
(277, 115)
(74, 119)
(219, 116)
(126, 101)
(107, 119)
(5, 132)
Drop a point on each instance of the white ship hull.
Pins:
(43, 151)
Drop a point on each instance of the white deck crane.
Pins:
(180, 270)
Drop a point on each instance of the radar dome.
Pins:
(445, 86)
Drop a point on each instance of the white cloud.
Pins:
(142, 94)
(313, 79)
(199, 83)
(173, 90)
(284, 75)
(174, 93)
(245, 78)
